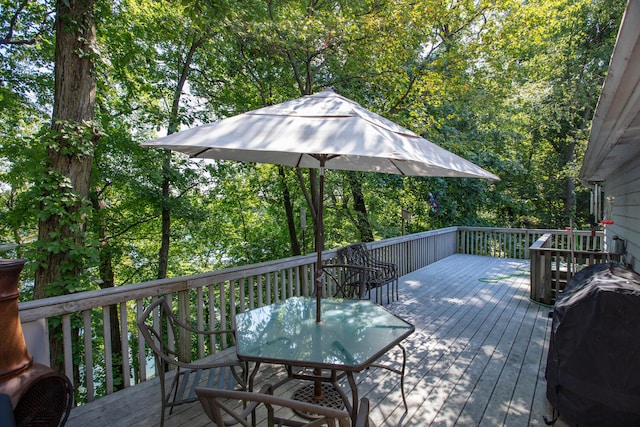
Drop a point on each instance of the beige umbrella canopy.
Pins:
(323, 130)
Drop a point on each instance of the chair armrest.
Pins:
(207, 395)
(381, 264)
(352, 266)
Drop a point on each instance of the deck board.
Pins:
(477, 356)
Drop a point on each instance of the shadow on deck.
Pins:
(477, 356)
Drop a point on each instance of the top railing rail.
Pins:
(515, 242)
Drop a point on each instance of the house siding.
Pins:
(624, 186)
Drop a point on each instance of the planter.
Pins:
(39, 395)
(14, 357)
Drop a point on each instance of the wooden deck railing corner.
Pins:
(557, 256)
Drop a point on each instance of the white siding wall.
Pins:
(625, 187)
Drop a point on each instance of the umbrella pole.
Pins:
(317, 387)
(319, 239)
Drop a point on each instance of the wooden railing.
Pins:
(497, 242)
(557, 256)
(95, 323)
(91, 332)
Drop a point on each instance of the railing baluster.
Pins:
(223, 312)
(211, 295)
(68, 347)
(242, 286)
(108, 360)
(124, 343)
(252, 299)
(297, 271)
(260, 293)
(290, 283)
(142, 360)
(232, 302)
(200, 321)
(88, 354)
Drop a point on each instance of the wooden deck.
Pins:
(477, 356)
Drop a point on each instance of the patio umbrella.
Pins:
(324, 130)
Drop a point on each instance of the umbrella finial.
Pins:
(327, 90)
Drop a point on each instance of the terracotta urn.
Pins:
(14, 357)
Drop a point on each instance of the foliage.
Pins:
(509, 84)
(476, 77)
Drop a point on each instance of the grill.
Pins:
(592, 374)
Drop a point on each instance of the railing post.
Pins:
(540, 287)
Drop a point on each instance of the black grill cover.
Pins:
(593, 365)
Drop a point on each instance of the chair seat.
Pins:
(221, 378)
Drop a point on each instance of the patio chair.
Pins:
(162, 336)
(229, 408)
(7, 418)
(358, 272)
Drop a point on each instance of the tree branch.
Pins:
(10, 40)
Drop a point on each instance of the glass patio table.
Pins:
(351, 337)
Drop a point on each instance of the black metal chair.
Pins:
(7, 418)
(229, 408)
(358, 272)
(162, 336)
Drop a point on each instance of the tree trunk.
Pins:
(74, 101)
(288, 208)
(165, 234)
(174, 125)
(361, 216)
(69, 157)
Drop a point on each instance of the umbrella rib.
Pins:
(398, 168)
(200, 152)
(319, 157)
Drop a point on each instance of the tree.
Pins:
(473, 76)
(64, 186)
(556, 54)
(70, 145)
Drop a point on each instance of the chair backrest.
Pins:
(355, 254)
(165, 335)
(160, 339)
(219, 407)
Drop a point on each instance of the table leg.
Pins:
(404, 365)
(354, 397)
(252, 376)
